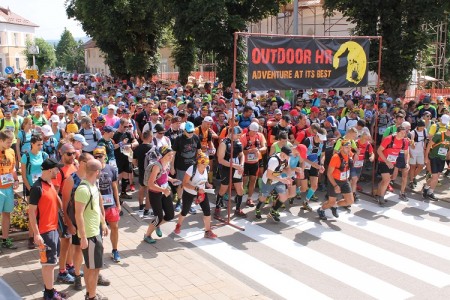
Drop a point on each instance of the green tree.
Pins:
(129, 32)
(212, 24)
(65, 46)
(400, 24)
(74, 58)
(46, 58)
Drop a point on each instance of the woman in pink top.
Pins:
(110, 117)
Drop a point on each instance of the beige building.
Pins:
(14, 32)
(94, 59)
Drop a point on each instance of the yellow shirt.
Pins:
(433, 128)
(7, 165)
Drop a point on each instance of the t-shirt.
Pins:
(109, 146)
(110, 121)
(35, 163)
(89, 136)
(139, 154)
(7, 165)
(434, 128)
(25, 137)
(92, 212)
(277, 129)
(50, 147)
(391, 152)
(119, 137)
(186, 151)
(199, 180)
(44, 196)
(336, 162)
(68, 170)
(440, 151)
(41, 121)
(274, 164)
(249, 142)
(105, 179)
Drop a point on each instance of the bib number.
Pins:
(252, 157)
(108, 200)
(10, 128)
(442, 151)
(392, 158)
(344, 175)
(307, 166)
(7, 179)
(113, 163)
(358, 163)
(381, 130)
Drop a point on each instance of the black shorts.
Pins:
(225, 176)
(141, 178)
(251, 169)
(93, 254)
(312, 172)
(51, 240)
(344, 185)
(123, 165)
(76, 239)
(63, 233)
(26, 192)
(383, 168)
(437, 165)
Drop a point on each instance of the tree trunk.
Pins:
(394, 88)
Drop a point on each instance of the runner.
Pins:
(419, 137)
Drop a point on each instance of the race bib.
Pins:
(344, 175)
(10, 128)
(381, 130)
(442, 151)
(108, 200)
(165, 185)
(237, 175)
(35, 177)
(7, 179)
(358, 163)
(392, 158)
(252, 157)
(307, 166)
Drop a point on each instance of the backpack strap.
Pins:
(90, 198)
(2, 123)
(28, 164)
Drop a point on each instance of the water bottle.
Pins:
(43, 253)
(200, 197)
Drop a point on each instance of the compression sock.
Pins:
(277, 205)
(260, 184)
(124, 185)
(258, 206)
(309, 194)
(238, 202)
(218, 200)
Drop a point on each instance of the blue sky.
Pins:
(50, 15)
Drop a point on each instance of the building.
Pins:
(94, 59)
(14, 32)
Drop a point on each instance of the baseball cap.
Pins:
(13, 107)
(158, 128)
(49, 164)
(164, 150)
(277, 112)
(421, 123)
(286, 150)
(302, 150)
(426, 100)
(78, 137)
(315, 109)
(47, 130)
(208, 119)
(54, 119)
(341, 103)
(322, 137)
(126, 111)
(331, 120)
(189, 127)
(6, 111)
(445, 119)
(108, 129)
(253, 127)
(294, 113)
(112, 106)
(38, 108)
(99, 150)
(60, 110)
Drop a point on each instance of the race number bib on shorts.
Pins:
(7, 179)
(108, 200)
(358, 163)
(381, 130)
(252, 157)
(442, 151)
(392, 158)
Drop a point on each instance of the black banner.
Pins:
(286, 63)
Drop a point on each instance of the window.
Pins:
(16, 39)
(17, 64)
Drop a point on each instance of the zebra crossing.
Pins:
(397, 252)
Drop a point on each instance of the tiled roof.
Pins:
(7, 16)
(90, 44)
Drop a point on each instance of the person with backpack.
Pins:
(31, 170)
(236, 159)
(436, 154)
(43, 215)
(107, 142)
(23, 143)
(194, 184)
(91, 226)
(50, 143)
(348, 121)
(159, 192)
(338, 175)
(388, 152)
(365, 152)
(90, 133)
(419, 136)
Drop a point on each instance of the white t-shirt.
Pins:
(418, 150)
(272, 165)
(147, 127)
(199, 180)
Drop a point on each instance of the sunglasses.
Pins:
(70, 153)
(98, 156)
(189, 132)
(161, 132)
(132, 105)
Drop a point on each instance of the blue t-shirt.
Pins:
(50, 147)
(26, 141)
(105, 179)
(293, 161)
(35, 163)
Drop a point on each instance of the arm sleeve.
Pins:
(35, 193)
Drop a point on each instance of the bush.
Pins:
(19, 216)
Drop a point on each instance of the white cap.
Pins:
(78, 137)
(341, 103)
(40, 97)
(367, 97)
(253, 127)
(445, 119)
(60, 110)
(83, 114)
(405, 125)
(54, 119)
(53, 97)
(322, 137)
(38, 108)
(319, 90)
(112, 106)
(208, 119)
(70, 94)
(47, 130)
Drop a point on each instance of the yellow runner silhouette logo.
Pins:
(357, 61)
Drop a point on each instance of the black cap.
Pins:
(158, 128)
(286, 150)
(50, 163)
(421, 123)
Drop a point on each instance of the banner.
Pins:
(286, 63)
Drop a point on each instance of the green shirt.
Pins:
(92, 210)
(12, 125)
(440, 148)
(337, 146)
(390, 130)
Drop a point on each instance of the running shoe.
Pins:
(432, 196)
(115, 256)
(415, 181)
(424, 192)
(103, 281)
(56, 296)
(8, 244)
(258, 214)
(250, 203)
(390, 188)
(146, 212)
(31, 244)
(334, 212)
(177, 229)
(210, 235)
(132, 188)
(217, 212)
(141, 207)
(379, 201)
(125, 196)
(77, 283)
(149, 239)
(178, 207)
(446, 173)
(192, 211)
(71, 270)
(355, 197)
(412, 185)
(273, 215)
(321, 214)
(403, 197)
(314, 198)
(158, 231)
(240, 213)
(306, 206)
(291, 201)
(65, 278)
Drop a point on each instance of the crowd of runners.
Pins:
(82, 146)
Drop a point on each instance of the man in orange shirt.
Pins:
(338, 175)
(8, 181)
